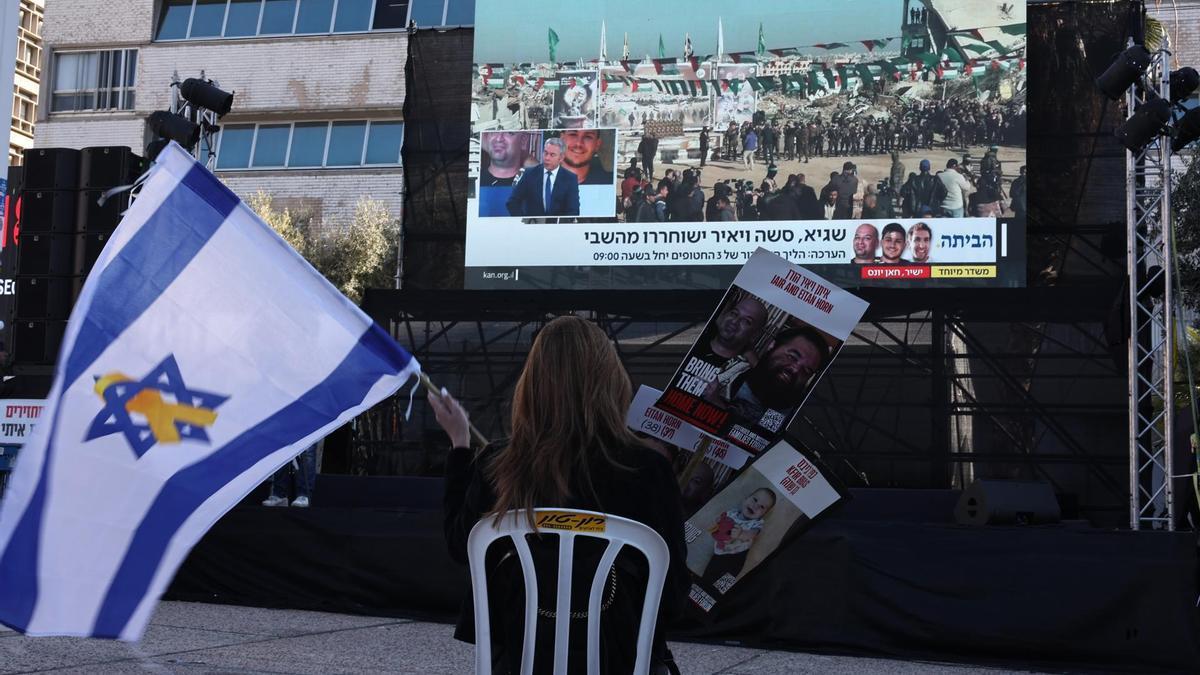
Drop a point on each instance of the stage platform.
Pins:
(887, 574)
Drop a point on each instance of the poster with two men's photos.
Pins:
(772, 337)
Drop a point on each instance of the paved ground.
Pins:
(196, 638)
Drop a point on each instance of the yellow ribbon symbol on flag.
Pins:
(160, 415)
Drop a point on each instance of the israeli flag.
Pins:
(202, 355)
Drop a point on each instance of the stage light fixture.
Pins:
(154, 147)
(1147, 122)
(204, 94)
(174, 128)
(1183, 82)
(1187, 130)
(1124, 71)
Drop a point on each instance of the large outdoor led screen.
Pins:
(618, 145)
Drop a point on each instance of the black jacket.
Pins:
(646, 492)
(527, 195)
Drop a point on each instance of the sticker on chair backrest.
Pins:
(571, 521)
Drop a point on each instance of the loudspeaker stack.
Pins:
(60, 230)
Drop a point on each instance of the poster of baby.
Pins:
(746, 522)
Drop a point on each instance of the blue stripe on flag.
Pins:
(376, 354)
(142, 270)
(148, 264)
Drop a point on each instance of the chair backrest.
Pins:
(568, 524)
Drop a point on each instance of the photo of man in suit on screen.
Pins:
(546, 189)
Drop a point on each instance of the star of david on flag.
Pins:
(203, 354)
(162, 421)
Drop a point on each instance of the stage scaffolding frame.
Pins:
(1151, 315)
(891, 414)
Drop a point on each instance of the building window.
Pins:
(427, 13)
(460, 12)
(206, 19)
(390, 14)
(310, 145)
(94, 80)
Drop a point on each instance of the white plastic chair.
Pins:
(568, 524)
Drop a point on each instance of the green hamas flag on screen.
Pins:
(762, 42)
(553, 40)
(662, 48)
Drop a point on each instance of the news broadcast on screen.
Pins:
(618, 148)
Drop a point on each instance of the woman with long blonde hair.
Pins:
(569, 448)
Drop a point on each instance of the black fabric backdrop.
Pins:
(1053, 596)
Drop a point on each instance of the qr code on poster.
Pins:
(703, 600)
(691, 532)
(726, 582)
(771, 420)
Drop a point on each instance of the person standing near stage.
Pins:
(569, 448)
(1019, 194)
(990, 191)
(731, 141)
(957, 189)
(301, 473)
(806, 197)
(767, 139)
(703, 146)
(846, 184)
(896, 173)
(921, 191)
(749, 146)
(647, 149)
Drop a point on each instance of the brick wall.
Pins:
(97, 22)
(1182, 19)
(307, 75)
(81, 131)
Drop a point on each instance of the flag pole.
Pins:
(435, 390)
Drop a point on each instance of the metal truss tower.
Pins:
(1151, 321)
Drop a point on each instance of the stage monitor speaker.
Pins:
(41, 253)
(92, 217)
(48, 210)
(37, 342)
(51, 169)
(44, 297)
(88, 247)
(107, 167)
(1007, 502)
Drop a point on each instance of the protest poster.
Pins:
(772, 336)
(780, 493)
(678, 441)
(17, 419)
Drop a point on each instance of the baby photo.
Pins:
(737, 529)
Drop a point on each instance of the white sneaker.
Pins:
(278, 501)
(300, 502)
